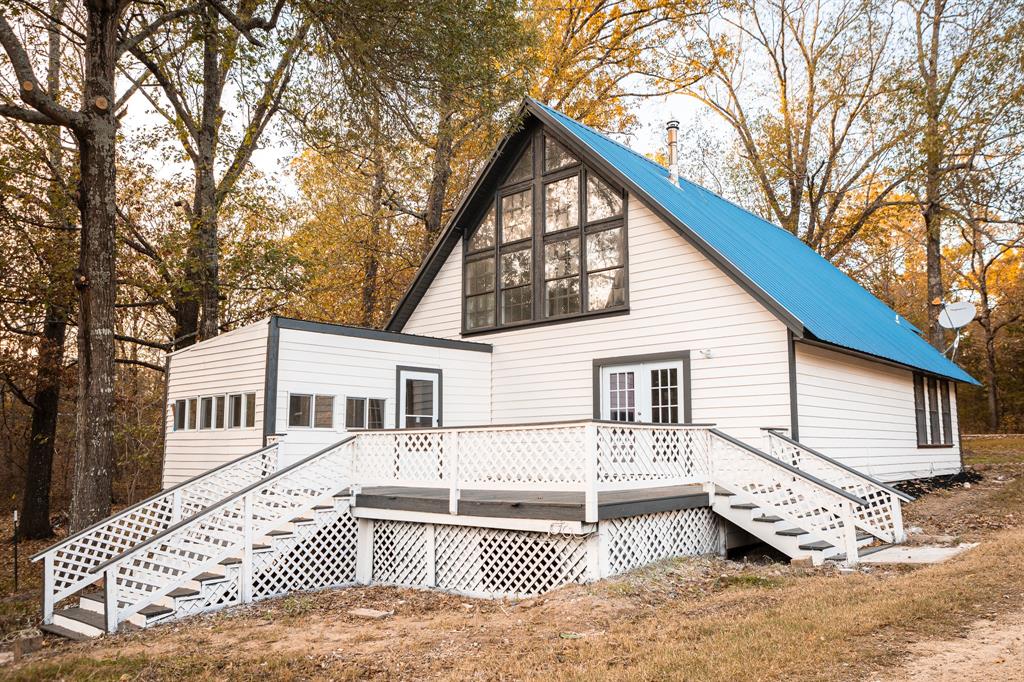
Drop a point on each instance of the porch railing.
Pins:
(881, 513)
(583, 456)
(68, 565)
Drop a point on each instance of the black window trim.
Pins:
(538, 239)
(923, 411)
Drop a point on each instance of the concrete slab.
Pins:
(919, 554)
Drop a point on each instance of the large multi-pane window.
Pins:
(551, 243)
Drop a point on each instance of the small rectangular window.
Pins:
(300, 410)
(180, 415)
(920, 414)
(355, 413)
(250, 410)
(947, 413)
(323, 416)
(235, 411)
(206, 413)
(375, 413)
(193, 413)
(933, 410)
(218, 412)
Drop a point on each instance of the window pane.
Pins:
(562, 296)
(523, 170)
(947, 414)
(355, 413)
(480, 276)
(602, 201)
(556, 156)
(515, 268)
(193, 413)
(480, 311)
(419, 398)
(250, 410)
(206, 413)
(933, 410)
(219, 412)
(517, 304)
(323, 417)
(622, 396)
(235, 411)
(375, 414)
(665, 396)
(517, 216)
(919, 410)
(561, 204)
(605, 290)
(299, 410)
(561, 259)
(179, 415)
(604, 249)
(484, 236)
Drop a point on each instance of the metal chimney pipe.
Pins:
(672, 128)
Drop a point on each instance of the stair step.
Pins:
(343, 493)
(723, 492)
(90, 618)
(279, 534)
(303, 519)
(791, 532)
(210, 578)
(768, 519)
(323, 507)
(183, 592)
(231, 561)
(744, 505)
(64, 632)
(817, 546)
(155, 611)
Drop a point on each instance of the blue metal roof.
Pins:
(817, 295)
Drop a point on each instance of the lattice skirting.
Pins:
(636, 541)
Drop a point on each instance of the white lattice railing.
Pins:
(881, 514)
(584, 456)
(782, 489)
(68, 565)
(147, 572)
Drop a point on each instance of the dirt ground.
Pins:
(694, 619)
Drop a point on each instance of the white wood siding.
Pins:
(234, 362)
(862, 413)
(679, 300)
(342, 366)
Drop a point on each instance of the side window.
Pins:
(235, 411)
(180, 415)
(364, 413)
(323, 417)
(299, 409)
(933, 413)
(250, 410)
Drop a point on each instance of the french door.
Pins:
(419, 399)
(650, 392)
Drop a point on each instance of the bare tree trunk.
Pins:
(933, 155)
(96, 276)
(35, 501)
(371, 262)
(441, 173)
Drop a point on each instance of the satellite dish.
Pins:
(956, 315)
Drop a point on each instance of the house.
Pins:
(599, 365)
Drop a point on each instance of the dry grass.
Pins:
(694, 619)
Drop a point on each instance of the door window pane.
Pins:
(323, 417)
(523, 170)
(604, 249)
(556, 156)
(483, 238)
(622, 396)
(419, 402)
(517, 216)
(562, 204)
(250, 410)
(375, 413)
(206, 413)
(235, 411)
(605, 289)
(218, 412)
(299, 410)
(665, 396)
(602, 200)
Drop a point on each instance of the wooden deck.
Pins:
(518, 504)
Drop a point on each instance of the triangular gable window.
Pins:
(523, 170)
(556, 156)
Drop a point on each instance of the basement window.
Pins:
(932, 411)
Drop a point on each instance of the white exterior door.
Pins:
(650, 392)
(419, 400)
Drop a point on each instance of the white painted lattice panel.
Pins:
(530, 457)
(320, 554)
(489, 562)
(400, 553)
(214, 595)
(632, 453)
(636, 541)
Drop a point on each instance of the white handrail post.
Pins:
(110, 598)
(175, 506)
(246, 567)
(590, 484)
(453, 472)
(48, 589)
(850, 534)
(899, 535)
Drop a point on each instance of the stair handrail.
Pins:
(95, 544)
(828, 511)
(234, 516)
(881, 514)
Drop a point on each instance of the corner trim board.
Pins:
(794, 414)
(270, 378)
